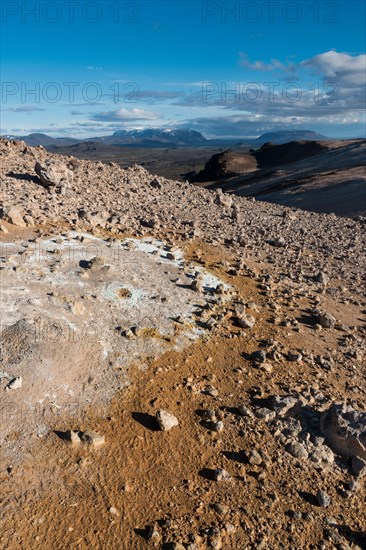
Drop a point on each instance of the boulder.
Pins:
(283, 404)
(345, 430)
(296, 449)
(54, 174)
(223, 199)
(14, 217)
(324, 319)
(358, 466)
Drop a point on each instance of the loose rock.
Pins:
(14, 384)
(323, 498)
(92, 438)
(166, 420)
(221, 475)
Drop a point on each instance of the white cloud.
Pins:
(126, 115)
(344, 69)
(260, 65)
(24, 109)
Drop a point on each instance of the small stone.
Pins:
(29, 220)
(265, 414)
(215, 542)
(267, 366)
(294, 356)
(245, 411)
(127, 487)
(282, 404)
(210, 390)
(14, 384)
(14, 217)
(221, 475)
(166, 420)
(358, 466)
(322, 454)
(77, 308)
(279, 242)
(294, 514)
(96, 262)
(296, 449)
(255, 458)
(353, 485)
(223, 199)
(92, 438)
(112, 510)
(73, 437)
(156, 183)
(197, 285)
(220, 289)
(258, 356)
(210, 415)
(216, 426)
(246, 321)
(322, 278)
(221, 509)
(323, 498)
(324, 319)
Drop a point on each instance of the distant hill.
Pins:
(33, 140)
(167, 137)
(284, 136)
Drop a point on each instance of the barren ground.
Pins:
(146, 488)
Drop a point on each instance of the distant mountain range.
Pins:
(152, 136)
(168, 138)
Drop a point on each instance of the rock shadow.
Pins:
(309, 498)
(146, 420)
(24, 177)
(207, 473)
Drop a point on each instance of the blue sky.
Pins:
(234, 69)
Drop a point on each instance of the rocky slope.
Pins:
(249, 435)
